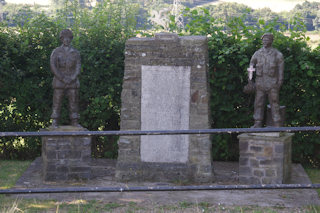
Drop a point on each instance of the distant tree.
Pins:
(308, 11)
(266, 14)
(316, 21)
(2, 2)
(57, 3)
(227, 11)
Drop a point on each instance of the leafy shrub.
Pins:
(230, 48)
(25, 77)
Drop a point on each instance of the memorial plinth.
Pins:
(165, 87)
(265, 158)
(66, 158)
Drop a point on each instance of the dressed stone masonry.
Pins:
(66, 158)
(165, 87)
(265, 158)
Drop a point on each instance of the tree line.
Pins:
(156, 13)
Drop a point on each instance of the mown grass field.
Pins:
(10, 171)
(314, 38)
(274, 5)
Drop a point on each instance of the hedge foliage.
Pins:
(100, 35)
(25, 77)
(230, 49)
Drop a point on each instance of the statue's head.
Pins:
(267, 39)
(66, 37)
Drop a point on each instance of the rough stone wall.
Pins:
(265, 159)
(66, 158)
(165, 50)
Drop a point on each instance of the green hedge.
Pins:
(230, 49)
(25, 76)
(100, 35)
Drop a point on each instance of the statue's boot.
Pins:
(75, 122)
(54, 123)
(276, 124)
(257, 124)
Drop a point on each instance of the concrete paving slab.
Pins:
(226, 174)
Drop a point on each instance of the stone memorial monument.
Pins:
(265, 158)
(66, 157)
(165, 88)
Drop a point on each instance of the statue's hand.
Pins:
(67, 80)
(250, 87)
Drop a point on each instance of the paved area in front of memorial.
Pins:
(226, 173)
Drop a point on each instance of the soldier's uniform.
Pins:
(269, 65)
(65, 63)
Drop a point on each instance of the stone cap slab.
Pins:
(66, 128)
(267, 134)
(166, 36)
(169, 37)
(264, 136)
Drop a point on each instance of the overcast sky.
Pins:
(42, 2)
(274, 5)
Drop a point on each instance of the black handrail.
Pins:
(159, 188)
(161, 132)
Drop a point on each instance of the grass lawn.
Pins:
(314, 38)
(314, 175)
(11, 170)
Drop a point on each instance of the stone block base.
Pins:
(66, 158)
(265, 158)
(161, 172)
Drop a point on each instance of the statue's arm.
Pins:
(53, 67)
(78, 67)
(281, 69)
(253, 60)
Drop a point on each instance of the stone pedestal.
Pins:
(66, 158)
(265, 158)
(165, 87)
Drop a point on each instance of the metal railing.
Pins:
(160, 188)
(161, 132)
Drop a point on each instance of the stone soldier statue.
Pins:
(269, 65)
(65, 64)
